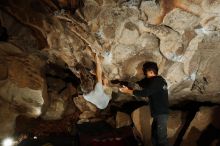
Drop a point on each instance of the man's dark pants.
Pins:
(159, 130)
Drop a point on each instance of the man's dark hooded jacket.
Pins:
(155, 88)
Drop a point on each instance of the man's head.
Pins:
(150, 69)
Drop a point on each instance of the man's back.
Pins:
(156, 89)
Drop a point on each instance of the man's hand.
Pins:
(126, 90)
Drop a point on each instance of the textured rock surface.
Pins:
(175, 124)
(22, 88)
(142, 121)
(84, 105)
(122, 120)
(60, 96)
(7, 116)
(181, 36)
(87, 115)
(205, 118)
(185, 44)
(56, 108)
(23, 84)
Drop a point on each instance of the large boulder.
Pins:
(182, 37)
(180, 20)
(142, 121)
(175, 124)
(24, 85)
(123, 120)
(23, 90)
(56, 108)
(202, 127)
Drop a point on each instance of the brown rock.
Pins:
(25, 38)
(81, 121)
(84, 105)
(7, 117)
(70, 108)
(95, 120)
(91, 9)
(122, 120)
(151, 10)
(3, 71)
(181, 20)
(87, 115)
(56, 108)
(25, 86)
(202, 121)
(130, 34)
(175, 124)
(215, 119)
(111, 121)
(142, 122)
(185, 45)
(55, 84)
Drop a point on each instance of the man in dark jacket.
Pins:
(155, 88)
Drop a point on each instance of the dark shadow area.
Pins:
(87, 134)
(212, 131)
(102, 134)
(209, 135)
(70, 5)
(3, 33)
(192, 107)
(61, 72)
(120, 82)
(52, 140)
(127, 107)
(189, 105)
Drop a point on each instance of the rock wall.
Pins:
(182, 36)
(22, 86)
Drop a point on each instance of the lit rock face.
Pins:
(22, 84)
(185, 44)
(175, 124)
(56, 108)
(142, 122)
(181, 36)
(23, 89)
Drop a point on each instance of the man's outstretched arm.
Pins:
(141, 93)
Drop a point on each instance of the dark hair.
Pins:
(150, 66)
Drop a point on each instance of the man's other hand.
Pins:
(126, 90)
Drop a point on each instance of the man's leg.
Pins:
(154, 132)
(161, 125)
